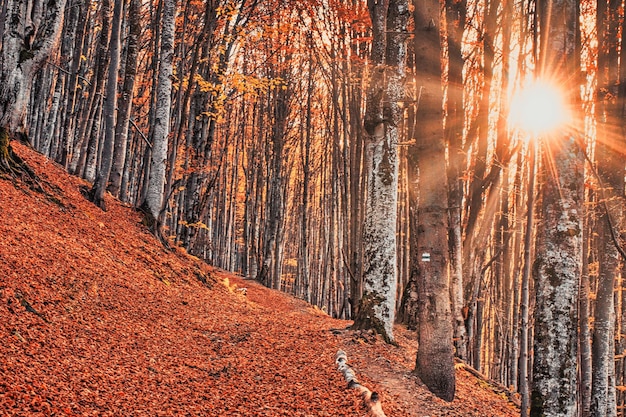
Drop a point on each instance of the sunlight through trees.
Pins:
(454, 166)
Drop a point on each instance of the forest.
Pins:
(456, 166)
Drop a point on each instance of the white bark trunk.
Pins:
(156, 182)
(559, 249)
(28, 39)
(380, 275)
(379, 230)
(558, 268)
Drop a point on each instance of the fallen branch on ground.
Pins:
(371, 399)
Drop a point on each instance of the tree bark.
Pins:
(558, 264)
(609, 218)
(126, 98)
(110, 103)
(429, 223)
(156, 181)
(377, 306)
(28, 38)
(455, 16)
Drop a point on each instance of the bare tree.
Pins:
(126, 97)
(110, 103)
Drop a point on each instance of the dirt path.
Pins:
(96, 318)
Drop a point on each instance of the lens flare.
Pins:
(539, 109)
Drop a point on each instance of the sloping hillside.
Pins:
(97, 318)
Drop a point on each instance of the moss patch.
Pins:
(367, 320)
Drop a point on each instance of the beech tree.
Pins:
(269, 170)
(28, 38)
(126, 97)
(429, 215)
(558, 262)
(609, 210)
(110, 104)
(156, 180)
(382, 115)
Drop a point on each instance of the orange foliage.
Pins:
(96, 318)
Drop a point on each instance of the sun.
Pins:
(539, 109)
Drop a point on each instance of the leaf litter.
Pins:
(98, 319)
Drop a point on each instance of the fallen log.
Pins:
(370, 399)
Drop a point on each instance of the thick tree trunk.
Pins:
(455, 13)
(558, 269)
(28, 39)
(429, 223)
(558, 265)
(377, 306)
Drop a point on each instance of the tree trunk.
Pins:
(156, 181)
(28, 38)
(109, 107)
(584, 313)
(524, 357)
(558, 264)
(377, 306)
(610, 166)
(126, 97)
(429, 223)
(455, 16)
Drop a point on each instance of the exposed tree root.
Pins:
(15, 169)
(370, 399)
(154, 225)
(13, 166)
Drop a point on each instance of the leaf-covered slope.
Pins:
(96, 318)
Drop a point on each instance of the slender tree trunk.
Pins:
(584, 337)
(603, 401)
(610, 163)
(110, 103)
(126, 98)
(524, 357)
(156, 181)
(305, 154)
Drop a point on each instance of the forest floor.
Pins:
(97, 318)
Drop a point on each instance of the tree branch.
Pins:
(370, 399)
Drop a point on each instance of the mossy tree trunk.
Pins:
(377, 306)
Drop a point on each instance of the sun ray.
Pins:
(539, 109)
